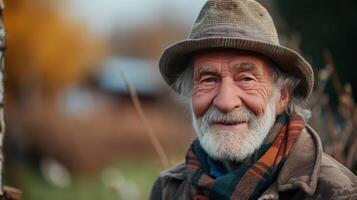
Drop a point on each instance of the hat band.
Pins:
(229, 30)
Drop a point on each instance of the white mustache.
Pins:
(239, 115)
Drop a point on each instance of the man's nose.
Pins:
(227, 98)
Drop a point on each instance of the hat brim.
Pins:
(174, 59)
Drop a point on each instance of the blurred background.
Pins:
(72, 131)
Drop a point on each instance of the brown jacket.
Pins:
(308, 173)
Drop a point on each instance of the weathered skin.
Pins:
(230, 79)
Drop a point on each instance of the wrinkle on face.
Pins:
(246, 74)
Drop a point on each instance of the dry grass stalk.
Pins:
(154, 140)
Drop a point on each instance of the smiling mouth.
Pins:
(231, 126)
(229, 123)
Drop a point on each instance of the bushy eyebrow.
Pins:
(239, 67)
(244, 67)
(206, 70)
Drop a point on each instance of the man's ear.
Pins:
(283, 101)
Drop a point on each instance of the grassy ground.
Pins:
(120, 181)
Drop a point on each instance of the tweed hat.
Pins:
(236, 24)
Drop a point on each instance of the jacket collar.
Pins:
(302, 166)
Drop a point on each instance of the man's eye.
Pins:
(209, 80)
(247, 79)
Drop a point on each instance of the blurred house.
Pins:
(95, 123)
(143, 74)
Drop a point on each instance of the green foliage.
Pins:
(85, 187)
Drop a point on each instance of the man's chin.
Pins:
(225, 145)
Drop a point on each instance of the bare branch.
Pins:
(154, 140)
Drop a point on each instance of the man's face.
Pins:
(234, 102)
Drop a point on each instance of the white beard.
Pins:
(229, 145)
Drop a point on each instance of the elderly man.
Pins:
(246, 93)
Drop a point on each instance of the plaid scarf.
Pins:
(209, 180)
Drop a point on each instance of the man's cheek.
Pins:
(200, 103)
(254, 104)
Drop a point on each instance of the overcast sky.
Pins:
(103, 15)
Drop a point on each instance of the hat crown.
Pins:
(244, 19)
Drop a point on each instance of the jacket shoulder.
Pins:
(168, 182)
(176, 172)
(335, 180)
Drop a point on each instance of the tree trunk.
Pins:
(2, 123)
(6, 192)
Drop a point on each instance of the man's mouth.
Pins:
(236, 126)
(228, 123)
